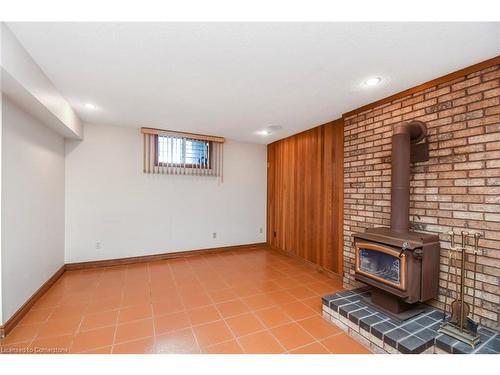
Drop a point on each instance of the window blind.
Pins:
(178, 153)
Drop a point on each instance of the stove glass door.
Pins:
(380, 263)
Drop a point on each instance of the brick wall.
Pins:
(459, 187)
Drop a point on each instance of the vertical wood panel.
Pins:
(305, 195)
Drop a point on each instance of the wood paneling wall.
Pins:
(305, 195)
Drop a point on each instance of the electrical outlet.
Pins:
(260, 230)
(214, 235)
(98, 245)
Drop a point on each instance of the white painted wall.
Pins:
(32, 205)
(33, 91)
(1, 127)
(109, 199)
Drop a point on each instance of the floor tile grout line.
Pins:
(235, 337)
(316, 341)
(265, 329)
(222, 318)
(198, 345)
(182, 302)
(283, 265)
(323, 346)
(307, 333)
(151, 307)
(268, 330)
(255, 332)
(117, 320)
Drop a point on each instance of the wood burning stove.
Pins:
(402, 266)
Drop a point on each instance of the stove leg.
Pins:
(389, 302)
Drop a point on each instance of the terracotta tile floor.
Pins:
(251, 301)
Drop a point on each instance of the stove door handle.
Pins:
(406, 245)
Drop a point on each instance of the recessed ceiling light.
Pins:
(374, 81)
(90, 106)
(269, 130)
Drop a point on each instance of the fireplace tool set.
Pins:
(460, 325)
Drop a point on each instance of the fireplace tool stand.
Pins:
(460, 326)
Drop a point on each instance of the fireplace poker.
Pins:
(463, 305)
(453, 304)
(451, 253)
(476, 247)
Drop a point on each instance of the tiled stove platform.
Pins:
(383, 334)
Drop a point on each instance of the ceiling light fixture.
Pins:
(90, 106)
(374, 81)
(269, 130)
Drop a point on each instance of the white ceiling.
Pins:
(233, 79)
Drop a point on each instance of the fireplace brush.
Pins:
(460, 325)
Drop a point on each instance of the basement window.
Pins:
(169, 152)
(189, 153)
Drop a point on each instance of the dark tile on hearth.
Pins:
(435, 327)
(327, 299)
(427, 335)
(356, 315)
(356, 299)
(425, 321)
(372, 311)
(388, 319)
(334, 308)
(485, 333)
(394, 336)
(345, 293)
(486, 350)
(348, 299)
(380, 329)
(335, 303)
(338, 297)
(346, 309)
(494, 344)
(445, 342)
(368, 321)
(411, 326)
(411, 336)
(462, 348)
(490, 346)
(361, 295)
(412, 345)
(365, 294)
(363, 289)
(436, 315)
